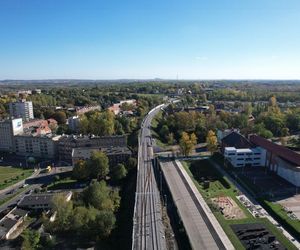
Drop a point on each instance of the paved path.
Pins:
(203, 230)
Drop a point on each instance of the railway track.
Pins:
(148, 232)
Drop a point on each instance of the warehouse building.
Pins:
(281, 160)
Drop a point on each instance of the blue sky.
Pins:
(109, 39)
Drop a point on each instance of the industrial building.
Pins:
(279, 159)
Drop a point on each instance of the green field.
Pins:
(220, 185)
(11, 175)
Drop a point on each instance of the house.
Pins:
(41, 201)
(10, 222)
(279, 159)
(235, 139)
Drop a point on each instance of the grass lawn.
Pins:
(8, 198)
(220, 185)
(10, 175)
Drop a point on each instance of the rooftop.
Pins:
(235, 139)
(86, 152)
(38, 199)
(281, 151)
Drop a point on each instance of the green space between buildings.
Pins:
(221, 186)
(12, 175)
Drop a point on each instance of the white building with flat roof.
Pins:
(245, 156)
(21, 109)
(8, 129)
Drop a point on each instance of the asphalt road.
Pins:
(148, 230)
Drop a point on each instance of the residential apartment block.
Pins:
(8, 129)
(115, 154)
(41, 146)
(21, 109)
(67, 143)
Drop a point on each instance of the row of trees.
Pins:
(268, 121)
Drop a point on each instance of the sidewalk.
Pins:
(225, 240)
(254, 201)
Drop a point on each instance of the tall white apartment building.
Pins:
(21, 109)
(8, 129)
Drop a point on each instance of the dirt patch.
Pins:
(228, 208)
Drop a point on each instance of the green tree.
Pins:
(64, 213)
(118, 172)
(131, 163)
(80, 170)
(164, 132)
(262, 131)
(60, 117)
(82, 217)
(30, 239)
(98, 165)
(292, 121)
(98, 195)
(103, 224)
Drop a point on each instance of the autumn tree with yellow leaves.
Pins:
(212, 142)
(187, 143)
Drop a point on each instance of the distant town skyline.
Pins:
(250, 39)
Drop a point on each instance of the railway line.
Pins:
(148, 231)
